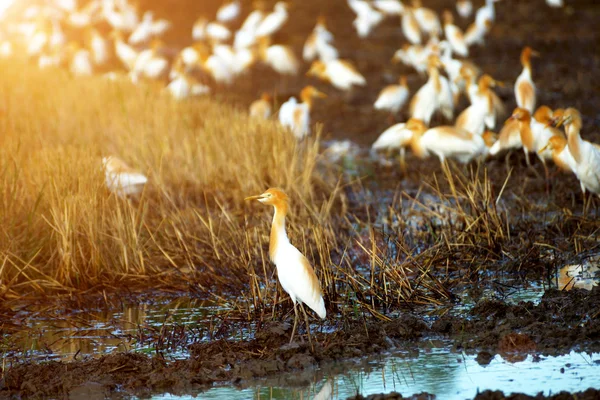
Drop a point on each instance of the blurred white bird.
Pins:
(279, 57)
(340, 73)
(273, 21)
(393, 97)
(454, 35)
(229, 11)
(121, 179)
(434, 95)
(464, 8)
(262, 107)
(296, 116)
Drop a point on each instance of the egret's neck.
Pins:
(278, 233)
(574, 141)
(434, 76)
(307, 99)
(526, 134)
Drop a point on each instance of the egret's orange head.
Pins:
(571, 117)
(526, 55)
(317, 68)
(489, 138)
(416, 125)
(271, 197)
(521, 114)
(544, 115)
(555, 143)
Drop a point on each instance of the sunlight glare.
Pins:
(4, 4)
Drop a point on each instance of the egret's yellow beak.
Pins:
(259, 196)
(319, 94)
(535, 53)
(540, 151)
(500, 84)
(564, 120)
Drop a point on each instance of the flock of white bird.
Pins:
(435, 48)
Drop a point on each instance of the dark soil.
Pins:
(560, 322)
(566, 75)
(590, 394)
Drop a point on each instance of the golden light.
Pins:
(4, 4)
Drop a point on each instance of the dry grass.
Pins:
(60, 229)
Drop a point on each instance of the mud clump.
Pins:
(590, 394)
(560, 321)
(393, 396)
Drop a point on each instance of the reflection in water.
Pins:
(580, 276)
(448, 375)
(135, 327)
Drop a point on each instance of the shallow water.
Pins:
(139, 327)
(170, 326)
(448, 375)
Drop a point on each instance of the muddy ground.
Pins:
(566, 75)
(560, 322)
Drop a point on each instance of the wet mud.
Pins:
(590, 394)
(568, 41)
(562, 321)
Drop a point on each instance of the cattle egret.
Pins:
(121, 178)
(294, 271)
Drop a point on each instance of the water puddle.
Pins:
(134, 327)
(448, 375)
(584, 275)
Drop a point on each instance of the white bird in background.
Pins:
(454, 35)
(217, 32)
(273, 22)
(229, 11)
(434, 95)
(393, 97)
(184, 86)
(121, 179)
(486, 14)
(389, 7)
(319, 44)
(279, 57)
(585, 154)
(296, 116)
(427, 19)
(446, 142)
(81, 60)
(125, 53)
(246, 36)
(414, 56)
(524, 86)
(340, 73)
(396, 137)
(294, 271)
(367, 17)
(150, 64)
(464, 8)
(262, 107)
(99, 47)
(143, 32)
(475, 34)
(410, 27)
(559, 150)
(199, 28)
(555, 3)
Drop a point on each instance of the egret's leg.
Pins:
(295, 322)
(307, 326)
(547, 174)
(507, 162)
(527, 157)
(402, 160)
